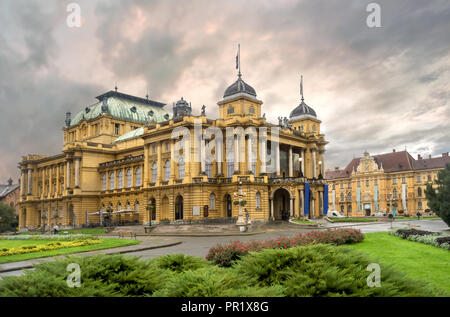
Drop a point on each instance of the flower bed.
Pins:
(427, 237)
(49, 246)
(226, 255)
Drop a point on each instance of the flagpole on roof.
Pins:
(239, 59)
(301, 86)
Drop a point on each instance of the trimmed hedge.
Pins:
(226, 255)
(69, 237)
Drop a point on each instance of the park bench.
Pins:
(123, 234)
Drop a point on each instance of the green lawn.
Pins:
(106, 244)
(84, 231)
(350, 219)
(417, 260)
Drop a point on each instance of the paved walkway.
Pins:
(148, 243)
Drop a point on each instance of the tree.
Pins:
(439, 198)
(8, 218)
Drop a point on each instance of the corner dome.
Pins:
(239, 87)
(302, 110)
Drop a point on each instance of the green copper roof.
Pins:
(130, 135)
(123, 106)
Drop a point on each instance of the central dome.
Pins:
(239, 87)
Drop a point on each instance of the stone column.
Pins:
(77, 172)
(219, 157)
(29, 182)
(263, 153)
(236, 154)
(291, 172)
(303, 162)
(58, 175)
(22, 183)
(291, 207)
(160, 163)
(50, 178)
(277, 159)
(249, 154)
(173, 163)
(68, 175)
(43, 183)
(302, 205)
(271, 209)
(314, 163)
(321, 203)
(202, 157)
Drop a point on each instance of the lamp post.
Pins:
(300, 174)
(241, 223)
(320, 170)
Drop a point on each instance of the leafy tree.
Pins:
(8, 218)
(439, 198)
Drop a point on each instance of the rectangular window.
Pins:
(403, 180)
(419, 179)
(116, 129)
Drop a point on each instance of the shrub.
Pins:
(226, 255)
(101, 275)
(324, 270)
(404, 233)
(69, 237)
(179, 263)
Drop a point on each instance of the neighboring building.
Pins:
(117, 156)
(382, 183)
(9, 195)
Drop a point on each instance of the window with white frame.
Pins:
(120, 179)
(181, 168)
(138, 177)
(258, 200)
(104, 181)
(167, 170)
(154, 172)
(112, 181)
(212, 202)
(208, 168)
(129, 178)
(230, 168)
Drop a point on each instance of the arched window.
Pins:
(138, 176)
(119, 207)
(394, 192)
(342, 196)
(419, 205)
(136, 206)
(129, 178)
(419, 192)
(104, 181)
(181, 168)
(154, 172)
(349, 196)
(258, 200)
(167, 170)
(120, 179)
(128, 205)
(212, 202)
(112, 181)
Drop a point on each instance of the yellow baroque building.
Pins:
(118, 165)
(380, 184)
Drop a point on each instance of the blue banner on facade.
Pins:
(325, 199)
(306, 198)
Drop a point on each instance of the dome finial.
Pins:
(301, 87)
(238, 60)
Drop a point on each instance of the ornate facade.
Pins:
(124, 161)
(383, 183)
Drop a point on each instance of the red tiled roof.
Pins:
(392, 162)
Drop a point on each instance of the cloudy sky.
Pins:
(374, 89)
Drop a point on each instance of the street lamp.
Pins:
(320, 170)
(300, 160)
(241, 222)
